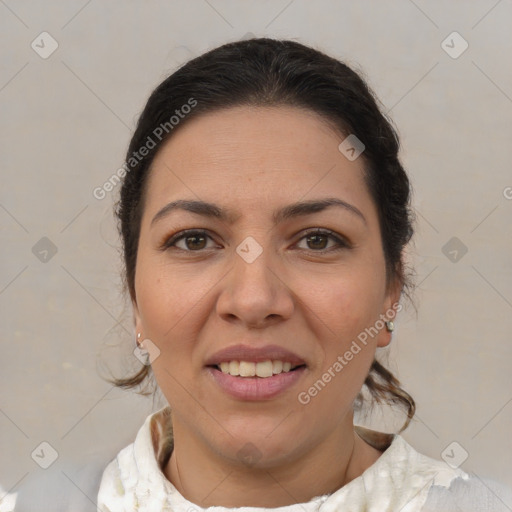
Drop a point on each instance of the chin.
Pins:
(253, 449)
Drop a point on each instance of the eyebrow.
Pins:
(287, 212)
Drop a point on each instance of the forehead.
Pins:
(253, 156)
(250, 132)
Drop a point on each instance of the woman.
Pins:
(264, 213)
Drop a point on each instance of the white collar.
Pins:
(400, 479)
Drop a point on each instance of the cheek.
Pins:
(351, 301)
(350, 305)
(166, 304)
(166, 295)
(346, 352)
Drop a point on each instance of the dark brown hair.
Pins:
(270, 72)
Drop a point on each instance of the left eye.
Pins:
(319, 237)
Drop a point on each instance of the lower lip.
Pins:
(256, 388)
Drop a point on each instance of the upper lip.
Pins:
(254, 354)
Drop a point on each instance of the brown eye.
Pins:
(195, 241)
(191, 241)
(318, 240)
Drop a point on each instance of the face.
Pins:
(305, 280)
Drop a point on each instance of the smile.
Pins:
(255, 387)
(263, 369)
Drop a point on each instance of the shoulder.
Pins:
(436, 471)
(403, 463)
(401, 478)
(115, 481)
(443, 487)
(136, 470)
(7, 500)
(473, 494)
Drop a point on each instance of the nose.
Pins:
(255, 293)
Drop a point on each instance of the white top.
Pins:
(400, 480)
(7, 500)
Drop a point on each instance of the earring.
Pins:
(390, 326)
(138, 340)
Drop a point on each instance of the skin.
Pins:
(299, 293)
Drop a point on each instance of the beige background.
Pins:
(65, 124)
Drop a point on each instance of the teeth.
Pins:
(277, 367)
(234, 368)
(264, 369)
(249, 369)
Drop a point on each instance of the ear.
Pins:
(390, 311)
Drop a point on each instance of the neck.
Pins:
(207, 478)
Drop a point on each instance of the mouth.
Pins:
(261, 369)
(250, 372)
(250, 381)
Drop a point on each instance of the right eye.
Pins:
(194, 240)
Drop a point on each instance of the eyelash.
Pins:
(341, 243)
